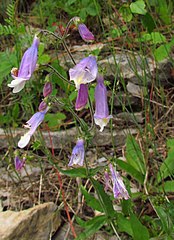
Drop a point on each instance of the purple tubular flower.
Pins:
(78, 153)
(42, 106)
(27, 67)
(32, 124)
(82, 97)
(84, 72)
(101, 116)
(47, 90)
(119, 189)
(18, 163)
(85, 34)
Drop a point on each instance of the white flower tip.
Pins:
(24, 141)
(17, 85)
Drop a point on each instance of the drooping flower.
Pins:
(82, 97)
(47, 90)
(101, 116)
(78, 153)
(32, 124)
(85, 34)
(84, 72)
(119, 189)
(18, 163)
(26, 69)
(42, 106)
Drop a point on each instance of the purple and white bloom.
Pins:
(84, 72)
(32, 124)
(82, 97)
(78, 153)
(47, 90)
(85, 34)
(119, 189)
(26, 69)
(18, 163)
(101, 115)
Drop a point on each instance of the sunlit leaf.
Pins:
(138, 7)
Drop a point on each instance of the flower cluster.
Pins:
(83, 73)
(119, 189)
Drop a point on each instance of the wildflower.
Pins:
(82, 97)
(42, 106)
(47, 90)
(32, 124)
(27, 67)
(84, 72)
(84, 32)
(101, 116)
(78, 153)
(18, 163)
(119, 189)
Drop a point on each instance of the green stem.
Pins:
(60, 75)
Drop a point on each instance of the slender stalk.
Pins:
(91, 112)
(60, 75)
(115, 231)
(68, 51)
(49, 32)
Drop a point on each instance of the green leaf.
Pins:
(138, 7)
(91, 227)
(164, 9)
(76, 172)
(167, 167)
(124, 224)
(91, 201)
(54, 119)
(15, 111)
(167, 186)
(148, 22)
(8, 60)
(157, 38)
(41, 49)
(131, 170)
(107, 203)
(44, 59)
(154, 37)
(134, 155)
(91, 9)
(164, 216)
(125, 13)
(140, 232)
(162, 52)
(93, 171)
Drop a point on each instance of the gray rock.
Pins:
(64, 138)
(37, 223)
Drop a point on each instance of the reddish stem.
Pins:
(61, 187)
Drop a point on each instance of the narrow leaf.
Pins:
(106, 202)
(76, 172)
(91, 227)
(140, 232)
(131, 170)
(134, 155)
(91, 201)
(167, 167)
